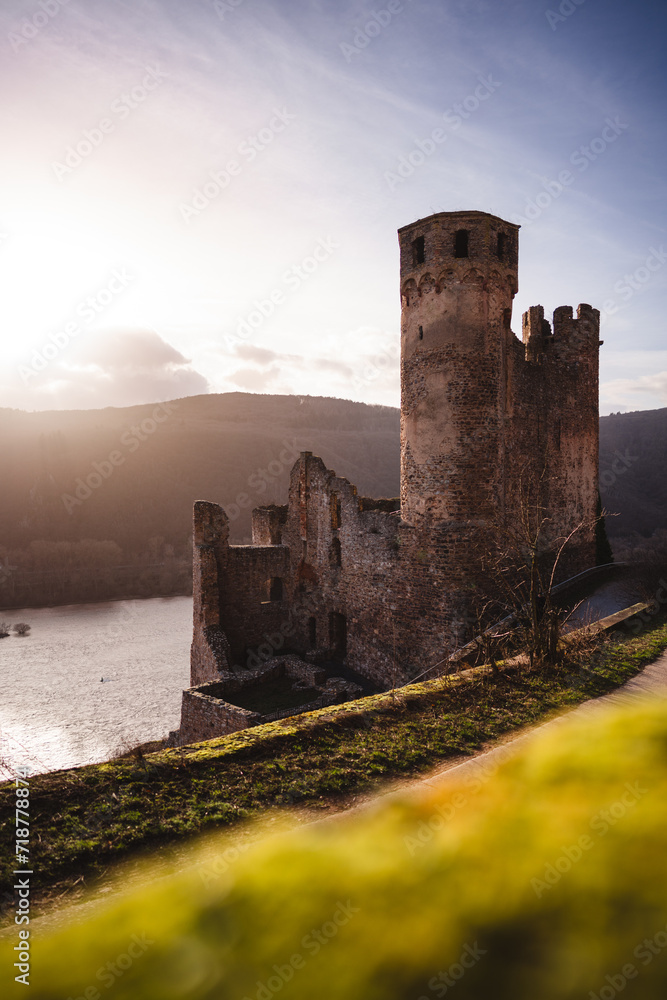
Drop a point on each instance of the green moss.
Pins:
(85, 819)
(547, 875)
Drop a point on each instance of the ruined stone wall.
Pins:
(553, 424)
(250, 614)
(209, 710)
(204, 717)
(343, 550)
(209, 655)
(235, 610)
(268, 523)
(336, 557)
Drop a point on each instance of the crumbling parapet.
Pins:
(268, 523)
(536, 331)
(209, 654)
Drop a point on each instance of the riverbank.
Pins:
(23, 589)
(10, 610)
(85, 821)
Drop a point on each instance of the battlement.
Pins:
(578, 334)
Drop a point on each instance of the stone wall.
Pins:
(209, 711)
(203, 717)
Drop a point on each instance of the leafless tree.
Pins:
(520, 558)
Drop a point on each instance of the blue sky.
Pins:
(204, 196)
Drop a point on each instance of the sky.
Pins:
(203, 196)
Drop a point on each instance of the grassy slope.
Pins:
(386, 904)
(84, 820)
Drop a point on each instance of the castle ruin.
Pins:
(383, 585)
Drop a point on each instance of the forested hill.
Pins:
(130, 474)
(633, 471)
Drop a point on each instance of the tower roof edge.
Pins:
(465, 214)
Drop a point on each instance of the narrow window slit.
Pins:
(461, 243)
(418, 251)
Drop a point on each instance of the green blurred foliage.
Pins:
(541, 880)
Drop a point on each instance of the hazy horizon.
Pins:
(229, 392)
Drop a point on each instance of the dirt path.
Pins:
(651, 683)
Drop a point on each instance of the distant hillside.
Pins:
(148, 464)
(633, 471)
(128, 478)
(219, 447)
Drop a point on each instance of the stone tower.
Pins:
(459, 275)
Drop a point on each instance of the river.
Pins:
(91, 680)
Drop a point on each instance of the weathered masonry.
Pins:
(383, 584)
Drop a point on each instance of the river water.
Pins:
(91, 680)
